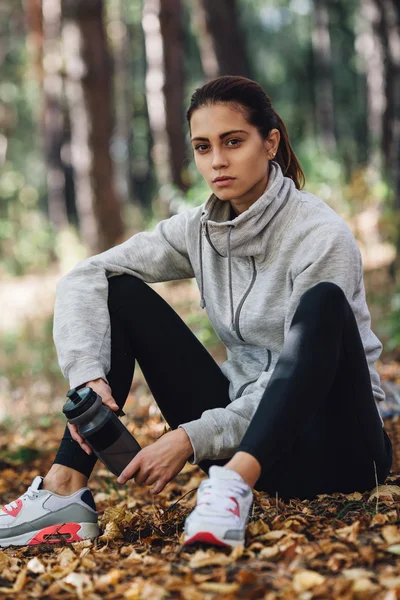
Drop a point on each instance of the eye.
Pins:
(201, 147)
(235, 141)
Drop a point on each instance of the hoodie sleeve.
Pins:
(81, 327)
(219, 431)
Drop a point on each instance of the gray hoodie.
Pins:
(251, 271)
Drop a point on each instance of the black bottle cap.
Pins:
(79, 402)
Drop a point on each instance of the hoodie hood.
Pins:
(245, 234)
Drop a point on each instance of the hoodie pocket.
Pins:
(246, 385)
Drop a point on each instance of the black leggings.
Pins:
(316, 429)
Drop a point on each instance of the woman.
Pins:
(293, 409)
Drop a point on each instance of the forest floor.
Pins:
(335, 546)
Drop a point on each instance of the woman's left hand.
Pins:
(159, 462)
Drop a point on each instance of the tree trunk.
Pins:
(53, 113)
(163, 102)
(222, 22)
(205, 41)
(88, 89)
(321, 42)
(368, 46)
(120, 146)
(171, 27)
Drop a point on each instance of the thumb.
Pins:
(110, 402)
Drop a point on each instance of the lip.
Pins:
(223, 181)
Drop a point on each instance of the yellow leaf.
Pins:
(305, 580)
(394, 549)
(357, 573)
(354, 496)
(219, 588)
(20, 581)
(111, 532)
(204, 559)
(110, 578)
(391, 534)
(364, 586)
(270, 551)
(3, 560)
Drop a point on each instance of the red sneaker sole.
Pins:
(207, 538)
(67, 532)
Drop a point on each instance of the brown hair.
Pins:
(246, 94)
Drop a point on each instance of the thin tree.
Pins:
(88, 90)
(324, 103)
(223, 25)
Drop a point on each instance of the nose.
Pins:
(219, 159)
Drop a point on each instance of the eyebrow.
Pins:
(222, 136)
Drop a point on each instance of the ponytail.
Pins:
(285, 156)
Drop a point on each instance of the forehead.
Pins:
(209, 121)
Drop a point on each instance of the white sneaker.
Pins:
(222, 509)
(40, 516)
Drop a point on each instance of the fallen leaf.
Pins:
(35, 566)
(110, 578)
(378, 519)
(204, 559)
(391, 534)
(81, 582)
(305, 580)
(66, 557)
(219, 588)
(391, 491)
(111, 532)
(357, 573)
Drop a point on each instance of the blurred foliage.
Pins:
(29, 352)
(278, 36)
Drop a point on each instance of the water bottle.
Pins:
(101, 429)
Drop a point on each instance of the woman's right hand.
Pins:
(104, 391)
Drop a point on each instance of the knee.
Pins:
(325, 292)
(122, 289)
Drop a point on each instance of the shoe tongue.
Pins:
(37, 483)
(216, 472)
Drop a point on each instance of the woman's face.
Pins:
(225, 145)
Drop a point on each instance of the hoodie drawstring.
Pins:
(230, 227)
(202, 299)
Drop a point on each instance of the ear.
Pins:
(272, 143)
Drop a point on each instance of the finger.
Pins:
(129, 470)
(110, 402)
(160, 485)
(79, 439)
(150, 479)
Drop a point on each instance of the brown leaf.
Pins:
(390, 491)
(378, 519)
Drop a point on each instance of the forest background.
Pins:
(94, 147)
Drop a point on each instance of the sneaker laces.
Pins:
(218, 500)
(29, 494)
